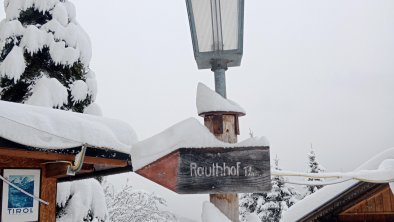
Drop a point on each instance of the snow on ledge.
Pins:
(56, 129)
(209, 101)
(312, 202)
(189, 133)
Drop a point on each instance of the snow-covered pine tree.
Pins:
(129, 205)
(45, 55)
(248, 203)
(44, 61)
(82, 200)
(269, 206)
(313, 167)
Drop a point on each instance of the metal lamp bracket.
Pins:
(78, 163)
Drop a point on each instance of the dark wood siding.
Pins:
(376, 206)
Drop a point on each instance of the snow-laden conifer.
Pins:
(313, 167)
(269, 206)
(128, 205)
(44, 61)
(42, 44)
(82, 200)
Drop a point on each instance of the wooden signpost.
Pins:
(212, 170)
(218, 171)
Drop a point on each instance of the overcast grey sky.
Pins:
(319, 72)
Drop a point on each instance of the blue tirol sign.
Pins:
(17, 206)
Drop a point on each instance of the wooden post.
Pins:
(225, 128)
(48, 193)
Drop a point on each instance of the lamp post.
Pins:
(216, 28)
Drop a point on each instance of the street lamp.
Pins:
(216, 27)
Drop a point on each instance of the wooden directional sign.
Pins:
(212, 170)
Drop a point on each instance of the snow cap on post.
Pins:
(208, 101)
(214, 107)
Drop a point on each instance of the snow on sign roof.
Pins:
(186, 134)
(209, 101)
(56, 129)
(322, 196)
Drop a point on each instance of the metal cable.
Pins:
(23, 191)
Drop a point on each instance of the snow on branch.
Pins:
(79, 199)
(135, 205)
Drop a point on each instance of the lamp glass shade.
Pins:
(216, 23)
(217, 30)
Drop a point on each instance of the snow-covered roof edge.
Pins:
(42, 127)
(208, 100)
(324, 195)
(189, 133)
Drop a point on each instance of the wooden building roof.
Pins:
(348, 201)
(49, 139)
(361, 202)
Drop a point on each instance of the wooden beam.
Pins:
(59, 169)
(42, 155)
(55, 169)
(15, 162)
(98, 173)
